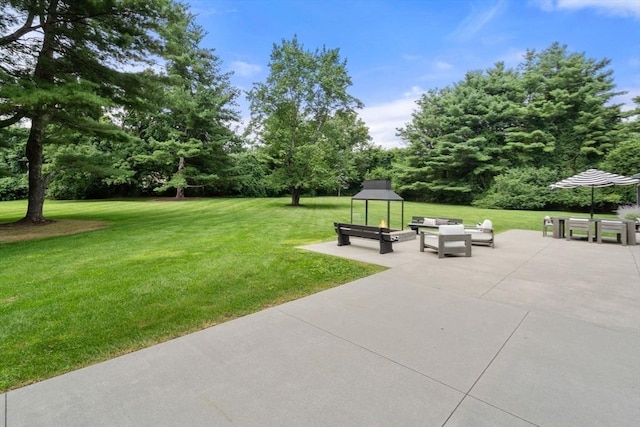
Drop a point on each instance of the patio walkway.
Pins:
(537, 331)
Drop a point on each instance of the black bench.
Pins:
(382, 234)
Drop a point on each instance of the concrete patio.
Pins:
(537, 331)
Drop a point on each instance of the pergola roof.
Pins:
(377, 189)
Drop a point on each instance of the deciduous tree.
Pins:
(291, 110)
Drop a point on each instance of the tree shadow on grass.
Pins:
(21, 230)
(324, 206)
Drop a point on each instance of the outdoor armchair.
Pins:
(578, 224)
(482, 234)
(449, 240)
(619, 228)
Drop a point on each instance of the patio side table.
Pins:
(558, 227)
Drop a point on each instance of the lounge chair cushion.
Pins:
(429, 222)
(485, 225)
(455, 229)
(480, 236)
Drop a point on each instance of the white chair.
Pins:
(482, 234)
(449, 240)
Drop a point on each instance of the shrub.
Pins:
(521, 188)
(630, 212)
(14, 188)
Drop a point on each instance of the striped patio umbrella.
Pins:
(594, 178)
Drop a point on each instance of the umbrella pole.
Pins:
(592, 202)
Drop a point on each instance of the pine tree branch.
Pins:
(25, 29)
(12, 120)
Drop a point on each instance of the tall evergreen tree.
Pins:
(457, 136)
(188, 137)
(624, 158)
(63, 62)
(554, 111)
(566, 119)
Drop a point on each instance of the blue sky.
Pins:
(397, 49)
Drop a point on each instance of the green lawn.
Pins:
(164, 268)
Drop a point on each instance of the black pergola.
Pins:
(378, 190)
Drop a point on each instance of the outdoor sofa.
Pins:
(432, 223)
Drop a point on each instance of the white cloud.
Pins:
(512, 57)
(476, 21)
(546, 5)
(411, 58)
(436, 65)
(611, 7)
(440, 74)
(203, 8)
(414, 92)
(627, 98)
(245, 69)
(442, 66)
(384, 119)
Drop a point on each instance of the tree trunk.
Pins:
(180, 193)
(180, 189)
(36, 181)
(295, 196)
(43, 72)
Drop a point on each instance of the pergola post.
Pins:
(378, 190)
(366, 212)
(388, 214)
(351, 220)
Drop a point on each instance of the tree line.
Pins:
(500, 136)
(116, 99)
